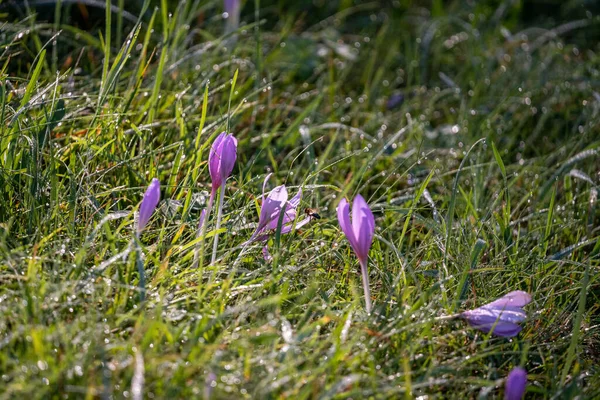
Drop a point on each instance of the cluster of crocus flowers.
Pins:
(500, 317)
(278, 214)
(359, 231)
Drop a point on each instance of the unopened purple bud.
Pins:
(149, 203)
(361, 229)
(516, 382)
(221, 159)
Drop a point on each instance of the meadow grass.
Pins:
(483, 178)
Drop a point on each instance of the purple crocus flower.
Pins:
(149, 203)
(360, 233)
(221, 159)
(362, 228)
(271, 209)
(515, 384)
(500, 316)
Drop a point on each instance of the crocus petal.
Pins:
(343, 214)
(266, 255)
(363, 226)
(149, 203)
(288, 228)
(271, 211)
(265, 185)
(295, 201)
(502, 329)
(221, 159)
(290, 212)
(273, 204)
(502, 315)
(485, 320)
(289, 216)
(214, 161)
(518, 298)
(516, 382)
(508, 314)
(228, 156)
(303, 222)
(512, 314)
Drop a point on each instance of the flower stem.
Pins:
(199, 253)
(219, 215)
(140, 267)
(365, 281)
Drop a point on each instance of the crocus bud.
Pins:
(516, 382)
(362, 228)
(221, 159)
(149, 203)
(502, 315)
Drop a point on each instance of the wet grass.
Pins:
(473, 135)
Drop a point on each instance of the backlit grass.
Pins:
(472, 130)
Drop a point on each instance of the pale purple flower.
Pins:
(271, 209)
(360, 232)
(516, 382)
(500, 316)
(361, 229)
(221, 159)
(149, 203)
